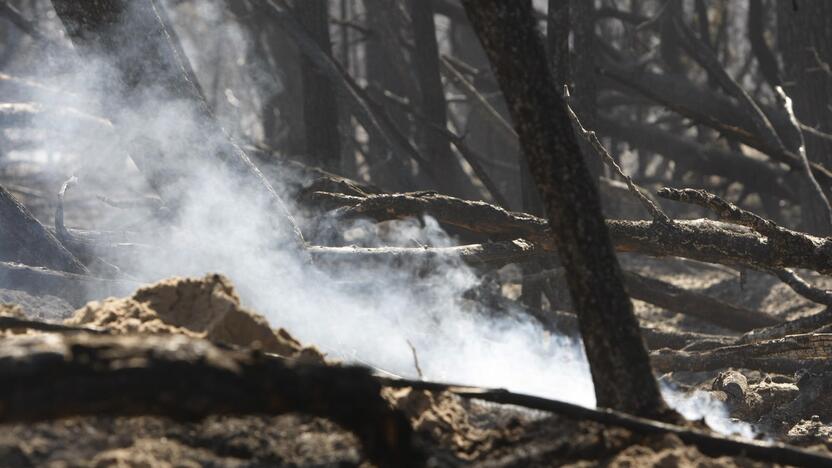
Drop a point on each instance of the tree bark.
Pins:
(425, 56)
(805, 44)
(320, 108)
(186, 379)
(584, 82)
(759, 47)
(615, 349)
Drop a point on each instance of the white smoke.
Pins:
(368, 314)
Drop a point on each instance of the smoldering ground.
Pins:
(370, 314)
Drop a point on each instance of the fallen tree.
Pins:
(700, 239)
(182, 378)
(785, 355)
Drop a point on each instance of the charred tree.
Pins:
(320, 107)
(425, 56)
(557, 40)
(805, 44)
(387, 70)
(759, 46)
(582, 21)
(614, 346)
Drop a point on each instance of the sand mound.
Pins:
(206, 307)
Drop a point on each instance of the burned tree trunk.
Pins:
(759, 47)
(449, 176)
(320, 108)
(804, 36)
(150, 71)
(582, 22)
(617, 356)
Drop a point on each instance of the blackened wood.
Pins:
(786, 355)
(759, 47)
(425, 58)
(320, 108)
(688, 303)
(708, 443)
(804, 40)
(699, 239)
(182, 378)
(615, 349)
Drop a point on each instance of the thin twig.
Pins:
(802, 287)
(415, 360)
(592, 138)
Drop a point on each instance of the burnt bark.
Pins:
(804, 40)
(786, 355)
(616, 352)
(582, 71)
(433, 106)
(759, 46)
(715, 111)
(187, 379)
(698, 239)
(320, 108)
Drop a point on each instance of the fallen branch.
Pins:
(710, 109)
(786, 355)
(816, 212)
(756, 175)
(708, 443)
(681, 301)
(802, 287)
(181, 378)
(696, 305)
(808, 324)
(703, 240)
(492, 255)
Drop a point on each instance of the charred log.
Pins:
(188, 379)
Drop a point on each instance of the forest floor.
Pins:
(450, 430)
